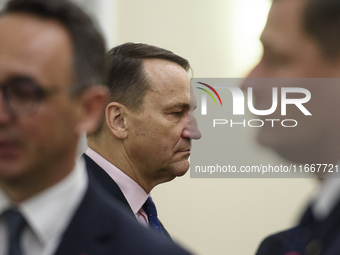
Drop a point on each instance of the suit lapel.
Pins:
(99, 175)
(320, 238)
(88, 231)
(104, 180)
(165, 232)
(329, 229)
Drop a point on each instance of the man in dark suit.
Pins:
(51, 62)
(145, 138)
(301, 40)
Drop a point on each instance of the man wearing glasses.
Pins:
(51, 60)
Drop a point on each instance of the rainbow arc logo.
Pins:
(212, 89)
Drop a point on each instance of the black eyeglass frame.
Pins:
(21, 82)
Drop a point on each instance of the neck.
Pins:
(117, 156)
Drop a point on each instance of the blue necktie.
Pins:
(15, 224)
(150, 209)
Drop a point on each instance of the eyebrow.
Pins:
(178, 105)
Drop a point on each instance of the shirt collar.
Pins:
(134, 194)
(5, 203)
(326, 198)
(49, 212)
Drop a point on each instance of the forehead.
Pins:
(167, 80)
(34, 47)
(284, 23)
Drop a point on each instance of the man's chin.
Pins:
(11, 172)
(270, 139)
(181, 168)
(283, 150)
(263, 139)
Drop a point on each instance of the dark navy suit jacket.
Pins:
(110, 185)
(101, 226)
(316, 238)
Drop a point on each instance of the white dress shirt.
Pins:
(326, 198)
(47, 214)
(134, 194)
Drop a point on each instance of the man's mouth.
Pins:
(184, 152)
(8, 148)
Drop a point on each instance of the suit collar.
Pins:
(326, 198)
(134, 194)
(99, 175)
(89, 229)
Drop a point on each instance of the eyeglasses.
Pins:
(23, 96)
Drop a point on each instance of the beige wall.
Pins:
(220, 39)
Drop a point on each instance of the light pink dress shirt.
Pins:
(133, 193)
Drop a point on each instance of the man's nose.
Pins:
(195, 133)
(191, 130)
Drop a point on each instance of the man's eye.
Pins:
(22, 94)
(178, 114)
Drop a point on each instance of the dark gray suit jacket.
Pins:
(110, 185)
(310, 237)
(101, 226)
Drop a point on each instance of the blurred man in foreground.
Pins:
(301, 40)
(149, 124)
(51, 62)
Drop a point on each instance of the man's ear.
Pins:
(116, 119)
(92, 102)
